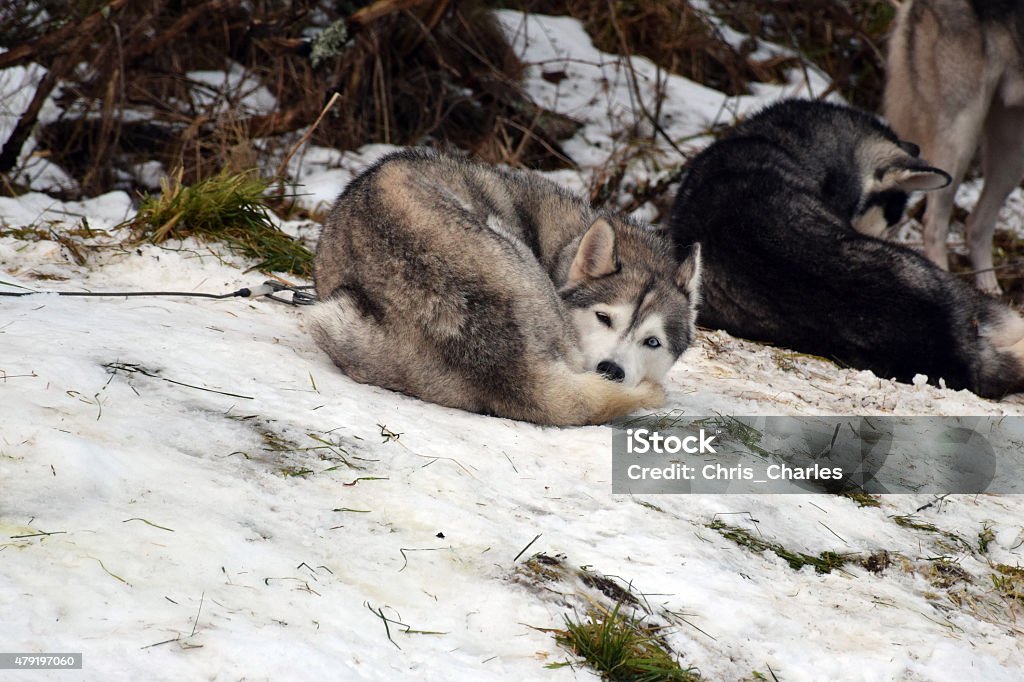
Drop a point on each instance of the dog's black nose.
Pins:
(609, 370)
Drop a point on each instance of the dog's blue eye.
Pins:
(652, 342)
(605, 319)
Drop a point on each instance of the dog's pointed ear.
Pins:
(914, 178)
(688, 272)
(595, 256)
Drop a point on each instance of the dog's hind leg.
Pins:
(951, 149)
(1003, 166)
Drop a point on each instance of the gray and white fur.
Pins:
(496, 291)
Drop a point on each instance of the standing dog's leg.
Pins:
(1003, 166)
(951, 149)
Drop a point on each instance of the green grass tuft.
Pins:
(733, 428)
(653, 507)
(985, 537)
(863, 499)
(620, 647)
(227, 207)
(823, 563)
(911, 521)
(1009, 582)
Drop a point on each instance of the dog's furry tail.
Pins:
(1002, 360)
(555, 394)
(575, 398)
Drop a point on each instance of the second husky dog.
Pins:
(788, 208)
(496, 291)
(954, 80)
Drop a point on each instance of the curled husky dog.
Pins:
(789, 208)
(954, 81)
(495, 291)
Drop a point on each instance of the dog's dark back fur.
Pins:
(773, 204)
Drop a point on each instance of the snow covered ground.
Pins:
(189, 489)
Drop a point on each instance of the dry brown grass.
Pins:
(845, 38)
(671, 33)
(435, 72)
(442, 74)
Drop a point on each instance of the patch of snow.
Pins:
(321, 173)
(1011, 215)
(613, 97)
(149, 174)
(17, 87)
(37, 209)
(234, 89)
